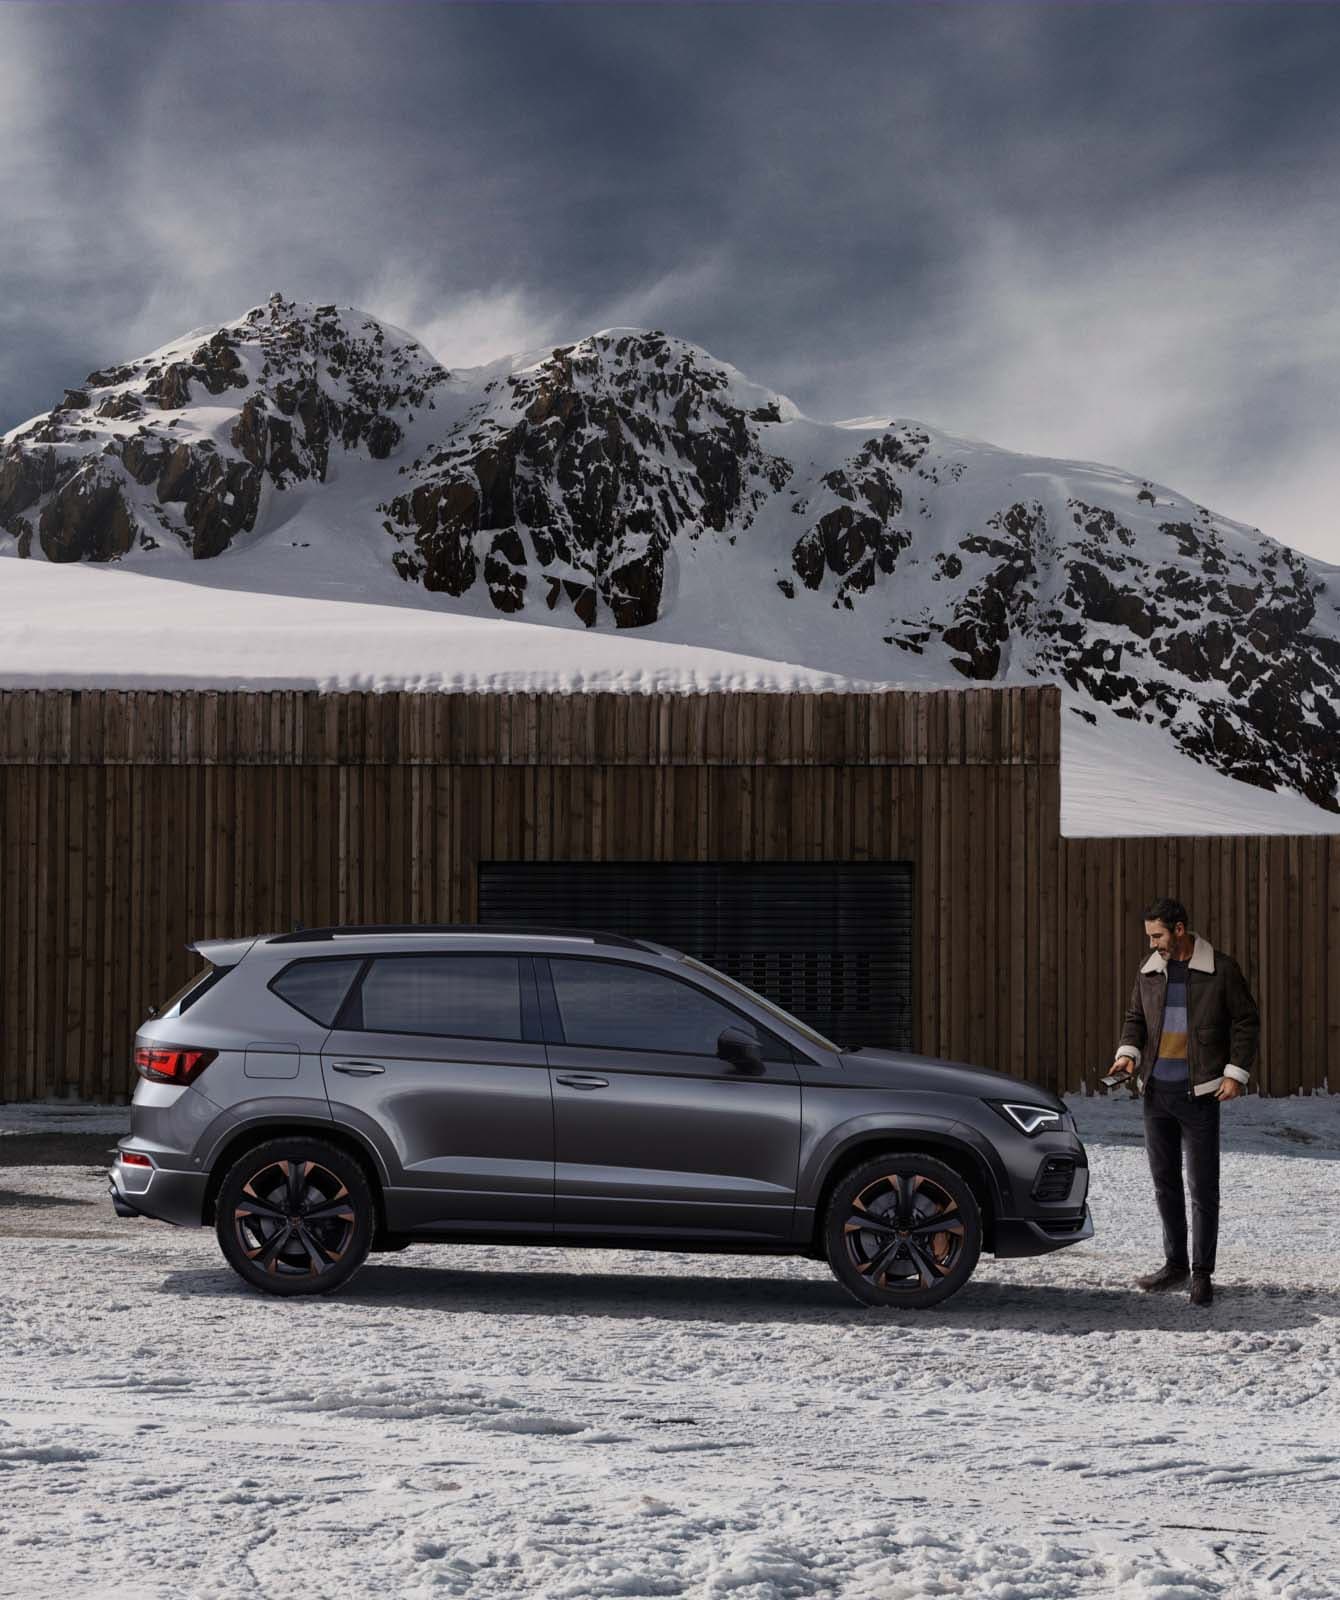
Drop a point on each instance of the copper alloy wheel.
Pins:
(904, 1232)
(294, 1219)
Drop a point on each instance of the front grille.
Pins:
(1055, 1176)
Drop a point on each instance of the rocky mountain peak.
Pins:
(582, 468)
(178, 445)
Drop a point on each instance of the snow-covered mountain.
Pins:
(631, 481)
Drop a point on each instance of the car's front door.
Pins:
(438, 1060)
(655, 1133)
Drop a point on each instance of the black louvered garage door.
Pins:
(830, 941)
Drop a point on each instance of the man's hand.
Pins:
(1228, 1089)
(1124, 1065)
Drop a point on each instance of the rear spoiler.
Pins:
(223, 952)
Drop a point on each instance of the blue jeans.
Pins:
(1176, 1121)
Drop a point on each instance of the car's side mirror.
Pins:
(741, 1049)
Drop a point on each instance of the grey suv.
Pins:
(318, 1095)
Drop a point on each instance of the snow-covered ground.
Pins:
(197, 625)
(570, 1424)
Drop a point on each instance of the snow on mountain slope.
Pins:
(632, 489)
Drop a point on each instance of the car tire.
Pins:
(901, 1258)
(295, 1216)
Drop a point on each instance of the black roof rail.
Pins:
(512, 930)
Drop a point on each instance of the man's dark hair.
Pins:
(1167, 911)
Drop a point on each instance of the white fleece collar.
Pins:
(1202, 958)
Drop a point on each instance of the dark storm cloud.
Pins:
(1106, 231)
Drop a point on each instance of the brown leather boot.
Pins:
(1169, 1276)
(1202, 1289)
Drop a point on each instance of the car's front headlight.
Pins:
(1030, 1119)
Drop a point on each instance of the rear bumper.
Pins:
(166, 1196)
(1025, 1236)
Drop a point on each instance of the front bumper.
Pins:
(157, 1192)
(1031, 1236)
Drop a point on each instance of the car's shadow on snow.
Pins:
(1062, 1309)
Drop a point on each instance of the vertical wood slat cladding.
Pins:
(133, 821)
(237, 728)
(1271, 902)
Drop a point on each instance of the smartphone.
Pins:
(1114, 1078)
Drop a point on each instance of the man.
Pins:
(1193, 1025)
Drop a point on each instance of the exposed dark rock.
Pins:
(1092, 593)
(86, 518)
(504, 570)
(217, 364)
(172, 388)
(111, 376)
(583, 598)
(25, 476)
(144, 456)
(382, 435)
(124, 407)
(1188, 542)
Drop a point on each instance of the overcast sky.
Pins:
(1107, 231)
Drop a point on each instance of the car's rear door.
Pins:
(438, 1059)
(654, 1132)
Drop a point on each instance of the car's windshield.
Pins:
(803, 1028)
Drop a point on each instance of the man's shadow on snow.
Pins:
(411, 1281)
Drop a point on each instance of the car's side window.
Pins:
(612, 1005)
(460, 996)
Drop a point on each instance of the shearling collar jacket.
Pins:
(1223, 1025)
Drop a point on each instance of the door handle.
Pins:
(357, 1069)
(581, 1080)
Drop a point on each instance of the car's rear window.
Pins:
(317, 987)
(195, 988)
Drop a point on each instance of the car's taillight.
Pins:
(131, 1158)
(171, 1063)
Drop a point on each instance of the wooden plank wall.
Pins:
(136, 822)
(1271, 901)
(113, 727)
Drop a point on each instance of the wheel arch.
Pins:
(258, 1133)
(955, 1153)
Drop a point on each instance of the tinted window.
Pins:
(634, 1008)
(317, 988)
(192, 990)
(471, 997)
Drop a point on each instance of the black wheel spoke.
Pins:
(927, 1270)
(268, 1255)
(908, 1184)
(880, 1264)
(259, 1208)
(319, 1258)
(941, 1222)
(297, 1184)
(865, 1221)
(328, 1212)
